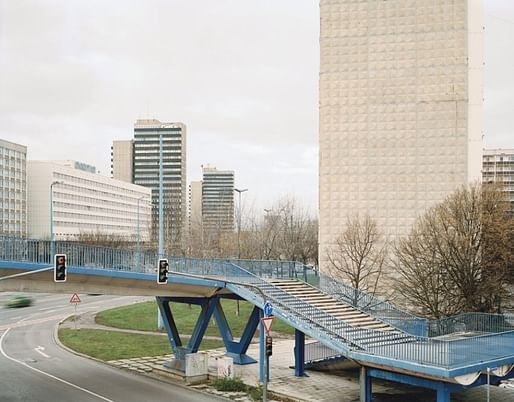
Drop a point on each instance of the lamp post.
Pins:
(138, 247)
(238, 190)
(52, 241)
(161, 200)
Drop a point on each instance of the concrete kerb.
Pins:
(165, 374)
(156, 376)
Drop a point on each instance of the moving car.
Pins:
(19, 301)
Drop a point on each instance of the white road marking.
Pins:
(24, 322)
(47, 374)
(49, 308)
(40, 349)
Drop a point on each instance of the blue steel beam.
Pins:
(442, 388)
(169, 323)
(299, 353)
(208, 306)
(365, 385)
(237, 350)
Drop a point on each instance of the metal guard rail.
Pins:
(419, 349)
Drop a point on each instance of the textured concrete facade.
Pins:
(400, 109)
(122, 160)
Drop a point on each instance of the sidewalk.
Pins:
(336, 386)
(341, 386)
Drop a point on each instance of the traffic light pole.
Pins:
(265, 379)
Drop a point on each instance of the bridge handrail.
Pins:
(419, 349)
(471, 322)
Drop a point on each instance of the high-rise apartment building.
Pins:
(13, 189)
(147, 136)
(122, 160)
(218, 199)
(84, 203)
(498, 167)
(400, 109)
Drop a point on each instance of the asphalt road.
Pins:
(34, 368)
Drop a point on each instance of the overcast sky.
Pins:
(241, 74)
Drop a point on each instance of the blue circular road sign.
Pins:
(268, 309)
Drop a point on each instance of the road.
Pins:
(34, 368)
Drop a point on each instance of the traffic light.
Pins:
(269, 346)
(162, 272)
(60, 268)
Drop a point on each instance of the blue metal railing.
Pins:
(316, 352)
(471, 323)
(496, 342)
(372, 305)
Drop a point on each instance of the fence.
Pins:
(408, 346)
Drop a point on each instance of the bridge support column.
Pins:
(442, 388)
(443, 393)
(299, 353)
(237, 350)
(169, 322)
(207, 305)
(365, 385)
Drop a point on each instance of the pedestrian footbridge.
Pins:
(386, 342)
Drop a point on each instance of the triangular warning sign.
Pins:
(75, 298)
(267, 322)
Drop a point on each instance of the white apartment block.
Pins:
(400, 109)
(498, 167)
(13, 189)
(218, 199)
(84, 203)
(147, 137)
(122, 160)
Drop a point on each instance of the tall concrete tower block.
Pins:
(401, 85)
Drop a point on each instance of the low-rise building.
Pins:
(80, 202)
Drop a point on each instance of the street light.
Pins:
(239, 222)
(138, 248)
(52, 242)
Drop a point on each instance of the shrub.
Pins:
(226, 384)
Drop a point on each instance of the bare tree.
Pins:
(105, 239)
(359, 255)
(457, 256)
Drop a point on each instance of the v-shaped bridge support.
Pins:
(209, 306)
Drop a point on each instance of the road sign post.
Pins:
(75, 299)
(266, 324)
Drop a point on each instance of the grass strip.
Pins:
(143, 317)
(112, 345)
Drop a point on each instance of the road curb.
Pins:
(157, 377)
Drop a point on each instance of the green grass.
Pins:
(143, 316)
(112, 345)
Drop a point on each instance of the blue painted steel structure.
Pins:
(410, 349)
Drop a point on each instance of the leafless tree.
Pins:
(457, 256)
(359, 255)
(104, 239)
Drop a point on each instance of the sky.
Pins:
(241, 74)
